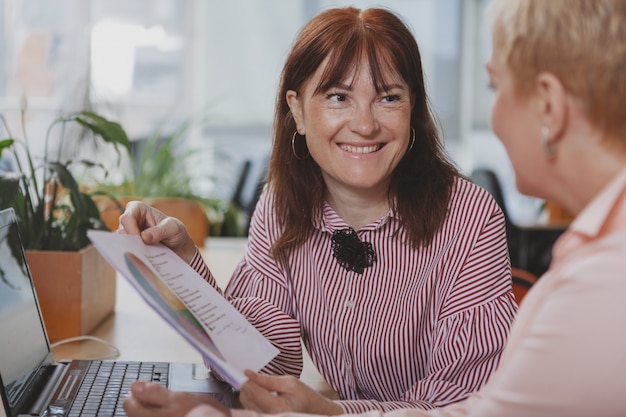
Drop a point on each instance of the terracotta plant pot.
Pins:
(76, 290)
(109, 211)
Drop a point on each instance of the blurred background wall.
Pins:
(155, 64)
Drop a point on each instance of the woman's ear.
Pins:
(552, 104)
(295, 106)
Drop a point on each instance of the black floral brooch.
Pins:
(350, 252)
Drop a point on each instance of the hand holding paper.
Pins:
(226, 340)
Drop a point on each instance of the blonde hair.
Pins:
(582, 42)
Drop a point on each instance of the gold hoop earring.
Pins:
(293, 146)
(548, 147)
(412, 140)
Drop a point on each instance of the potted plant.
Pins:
(54, 216)
(160, 178)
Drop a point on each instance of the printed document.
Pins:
(226, 340)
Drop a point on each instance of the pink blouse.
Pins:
(420, 328)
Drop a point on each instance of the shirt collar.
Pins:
(331, 221)
(590, 222)
(592, 218)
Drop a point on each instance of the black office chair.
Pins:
(488, 179)
(247, 209)
(236, 199)
(530, 250)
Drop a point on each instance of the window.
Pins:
(154, 62)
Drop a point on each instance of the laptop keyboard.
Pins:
(106, 384)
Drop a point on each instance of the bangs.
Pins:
(386, 65)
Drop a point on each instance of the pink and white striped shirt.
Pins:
(419, 329)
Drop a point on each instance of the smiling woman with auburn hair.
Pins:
(366, 245)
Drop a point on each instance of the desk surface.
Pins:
(543, 226)
(139, 333)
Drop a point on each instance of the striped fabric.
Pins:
(420, 328)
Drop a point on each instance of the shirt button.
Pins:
(349, 304)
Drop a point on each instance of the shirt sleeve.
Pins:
(198, 264)
(472, 328)
(259, 291)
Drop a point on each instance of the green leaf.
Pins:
(9, 190)
(161, 171)
(110, 132)
(67, 179)
(5, 144)
(31, 218)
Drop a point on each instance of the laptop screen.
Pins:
(23, 342)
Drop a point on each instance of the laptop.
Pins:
(33, 384)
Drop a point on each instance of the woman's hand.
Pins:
(154, 226)
(277, 394)
(150, 399)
